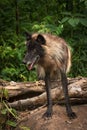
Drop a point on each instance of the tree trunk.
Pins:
(17, 17)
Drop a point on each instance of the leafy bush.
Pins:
(11, 57)
(56, 17)
(79, 56)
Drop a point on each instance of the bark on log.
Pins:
(37, 95)
(15, 88)
(77, 93)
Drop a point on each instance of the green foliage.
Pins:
(74, 19)
(46, 26)
(7, 115)
(65, 18)
(4, 93)
(12, 68)
(79, 57)
(24, 128)
(11, 60)
(11, 123)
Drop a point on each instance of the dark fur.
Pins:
(52, 56)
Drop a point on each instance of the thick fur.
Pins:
(53, 58)
(57, 56)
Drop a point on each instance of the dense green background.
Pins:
(66, 18)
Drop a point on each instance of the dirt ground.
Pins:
(59, 120)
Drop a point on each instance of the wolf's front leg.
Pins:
(49, 111)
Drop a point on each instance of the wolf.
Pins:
(52, 56)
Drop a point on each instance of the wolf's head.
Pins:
(35, 50)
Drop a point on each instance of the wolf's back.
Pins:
(57, 51)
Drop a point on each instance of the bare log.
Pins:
(21, 88)
(77, 92)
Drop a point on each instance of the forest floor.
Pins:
(59, 120)
(31, 119)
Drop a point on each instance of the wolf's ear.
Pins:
(41, 39)
(28, 36)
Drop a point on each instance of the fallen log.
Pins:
(15, 88)
(77, 93)
(20, 88)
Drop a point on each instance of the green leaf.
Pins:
(86, 4)
(4, 111)
(5, 92)
(73, 21)
(14, 111)
(11, 123)
(64, 19)
(24, 128)
(66, 13)
(83, 21)
(59, 29)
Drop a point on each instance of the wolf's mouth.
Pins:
(31, 64)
